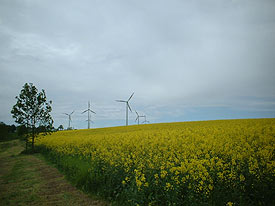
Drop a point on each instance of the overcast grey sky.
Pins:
(185, 60)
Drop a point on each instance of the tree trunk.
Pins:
(33, 138)
(27, 135)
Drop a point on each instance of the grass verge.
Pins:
(27, 180)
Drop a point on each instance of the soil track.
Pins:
(28, 180)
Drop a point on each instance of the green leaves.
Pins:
(32, 109)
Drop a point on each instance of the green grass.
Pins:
(18, 185)
(77, 171)
(4, 146)
(26, 179)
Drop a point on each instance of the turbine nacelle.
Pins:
(88, 110)
(127, 106)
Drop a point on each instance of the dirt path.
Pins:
(28, 180)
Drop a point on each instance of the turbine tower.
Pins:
(70, 118)
(89, 121)
(138, 116)
(89, 116)
(127, 106)
(145, 121)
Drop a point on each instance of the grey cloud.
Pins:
(214, 53)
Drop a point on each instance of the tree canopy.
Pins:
(33, 111)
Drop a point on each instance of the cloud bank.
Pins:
(185, 60)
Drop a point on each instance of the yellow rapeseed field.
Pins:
(183, 162)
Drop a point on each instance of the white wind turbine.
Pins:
(89, 121)
(89, 116)
(145, 121)
(138, 116)
(70, 118)
(127, 106)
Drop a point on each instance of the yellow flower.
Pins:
(139, 183)
(179, 154)
(242, 178)
(229, 204)
(156, 176)
(210, 187)
(168, 186)
(163, 174)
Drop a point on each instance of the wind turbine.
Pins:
(127, 106)
(145, 121)
(138, 116)
(89, 121)
(88, 110)
(70, 118)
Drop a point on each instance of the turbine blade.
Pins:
(72, 113)
(84, 111)
(130, 97)
(129, 106)
(121, 101)
(66, 114)
(137, 118)
(92, 111)
(136, 113)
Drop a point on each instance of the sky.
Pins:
(185, 60)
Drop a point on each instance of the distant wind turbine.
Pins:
(127, 106)
(90, 121)
(145, 121)
(70, 118)
(89, 117)
(138, 116)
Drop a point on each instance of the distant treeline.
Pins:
(8, 132)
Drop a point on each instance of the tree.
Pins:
(3, 131)
(60, 127)
(7, 131)
(12, 128)
(22, 130)
(32, 111)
